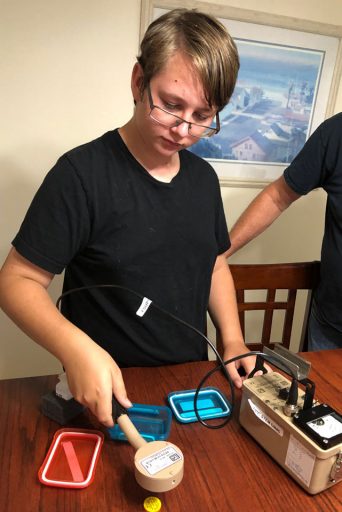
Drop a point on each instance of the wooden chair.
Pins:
(273, 277)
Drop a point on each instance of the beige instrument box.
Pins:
(261, 414)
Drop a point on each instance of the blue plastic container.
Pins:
(211, 403)
(153, 422)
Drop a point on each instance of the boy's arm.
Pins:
(224, 314)
(262, 211)
(92, 374)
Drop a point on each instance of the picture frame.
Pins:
(266, 124)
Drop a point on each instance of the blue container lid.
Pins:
(211, 403)
(153, 422)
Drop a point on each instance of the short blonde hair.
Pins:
(204, 39)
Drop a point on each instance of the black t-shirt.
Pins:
(319, 164)
(105, 220)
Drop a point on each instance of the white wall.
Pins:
(65, 72)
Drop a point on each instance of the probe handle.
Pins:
(120, 415)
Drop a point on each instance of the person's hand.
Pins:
(241, 366)
(93, 377)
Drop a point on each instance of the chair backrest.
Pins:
(272, 277)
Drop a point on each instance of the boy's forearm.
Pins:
(222, 304)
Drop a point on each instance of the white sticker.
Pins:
(266, 419)
(143, 306)
(160, 460)
(300, 460)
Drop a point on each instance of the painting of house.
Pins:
(269, 115)
(276, 144)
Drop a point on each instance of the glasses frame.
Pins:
(180, 120)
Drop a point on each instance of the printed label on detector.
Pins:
(160, 460)
(299, 460)
(266, 419)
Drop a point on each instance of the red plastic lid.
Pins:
(72, 458)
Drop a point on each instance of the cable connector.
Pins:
(291, 407)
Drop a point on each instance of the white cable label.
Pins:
(143, 307)
(266, 419)
(160, 460)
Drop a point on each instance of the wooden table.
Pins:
(225, 469)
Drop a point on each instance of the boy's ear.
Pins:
(137, 82)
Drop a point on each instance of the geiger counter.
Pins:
(307, 442)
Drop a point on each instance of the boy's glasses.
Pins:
(165, 118)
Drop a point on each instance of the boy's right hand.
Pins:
(93, 378)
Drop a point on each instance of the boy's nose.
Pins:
(182, 128)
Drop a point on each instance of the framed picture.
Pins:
(289, 75)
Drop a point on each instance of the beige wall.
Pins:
(65, 75)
